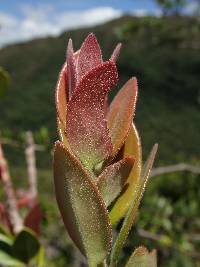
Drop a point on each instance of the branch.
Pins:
(31, 165)
(175, 168)
(14, 216)
(7, 141)
(149, 235)
(157, 237)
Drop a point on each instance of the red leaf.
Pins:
(106, 105)
(4, 218)
(89, 56)
(121, 114)
(71, 68)
(87, 130)
(25, 201)
(62, 95)
(116, 52)
(33, 218)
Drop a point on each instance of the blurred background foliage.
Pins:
(163, 53)
(4, 81)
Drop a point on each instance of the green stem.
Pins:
(103, 264)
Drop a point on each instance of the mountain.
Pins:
(163, 53)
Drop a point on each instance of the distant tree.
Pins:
(4, 81)
(171, 7)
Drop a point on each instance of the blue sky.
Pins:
(14, 6)
(23, 20)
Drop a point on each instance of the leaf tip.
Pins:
(90, 39)
(116, 52)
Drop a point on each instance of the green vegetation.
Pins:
(164, 54)
(4, 81)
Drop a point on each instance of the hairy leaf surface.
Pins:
(113, 178)
(141, 257)
(89, 56)
(87, 131)
(120, 115)
(116, 52)
(62, 95)
(71, 68)
(82, 208)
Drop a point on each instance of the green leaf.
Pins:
(6, 236)
(142, 258)
(132, 147)
(131, 214)
(113, 178)
(3, 230)
(82, 208)
(41, 258)
(8, 260)
(26, 245)
(4, 81)
(6, 241)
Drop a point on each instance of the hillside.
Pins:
(162, 52)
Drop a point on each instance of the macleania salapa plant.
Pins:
(98, 173)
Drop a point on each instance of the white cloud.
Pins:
(7, 20)
(192, 8)
(145, 12)
(140, 12)
(43, 21)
